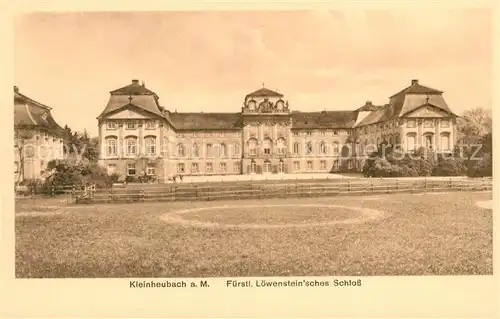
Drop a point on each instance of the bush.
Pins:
(482, 168)
(450, 167)
(68, 172)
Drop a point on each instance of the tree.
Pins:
(474, 124)
(81, 145)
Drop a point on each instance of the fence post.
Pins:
(371, 184)
(450, 184)
(397, 184)
(425, 185)
(52, 193)
(348, 186)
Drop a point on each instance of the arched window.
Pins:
(322, 148)
(150, 142)
(267, 167)
(296, 148)
(309, 148)
(236, 150)
(267, 146)
(336, 147)
(411, 141)
(429, 140)
(180, 150)
(131, 143)
(445, 141)
(252, 146)
(166, 146)
(111, 149)
(209, 150)
(253, 167)
(281, 166)
(281, 146)
(223, 150)
(196, 150)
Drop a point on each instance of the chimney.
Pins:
(414, 81)
(369, 103)
(16, 89)
(136, 82)
(143, 83)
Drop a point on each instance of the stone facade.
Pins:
(138, 136)
(38, 139)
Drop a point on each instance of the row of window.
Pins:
(412, 123)
(429, 141)
(152, 124)
(322, 148)
(222, 167)
(427, 123)
(131, 148)
(209, 167)
(132, 124)
(319, 132)
(322, 165)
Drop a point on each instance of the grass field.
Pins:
(402, 234)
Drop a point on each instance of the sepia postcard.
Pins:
(249, 160)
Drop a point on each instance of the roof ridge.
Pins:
(24, 97)
(263, 91)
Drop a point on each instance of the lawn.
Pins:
(441, 234)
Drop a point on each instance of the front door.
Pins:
(281, 167)
(267, 167)
(253, 168)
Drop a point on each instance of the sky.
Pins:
(209, 60)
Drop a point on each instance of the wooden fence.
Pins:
(278, 189)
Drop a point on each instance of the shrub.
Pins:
(450, 167)
(69, 172)
(483, 167)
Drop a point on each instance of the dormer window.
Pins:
(111, 125)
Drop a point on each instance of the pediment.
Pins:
(427, 111)
(131, 112)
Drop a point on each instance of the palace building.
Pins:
(38, 138)
(266, 136)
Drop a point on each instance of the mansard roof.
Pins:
(31, 114)
(417, 88)
(368, 107)
(407, 101)
(400, 104)
(133, 89)
(206, 121)
(323, 119)
(135, 94)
